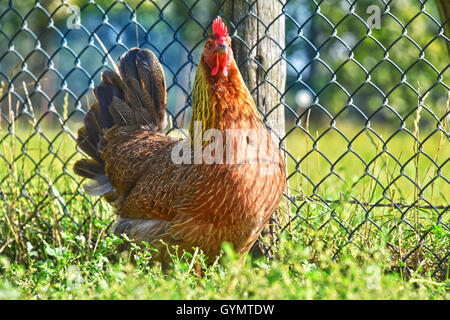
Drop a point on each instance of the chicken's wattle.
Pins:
(221, 63)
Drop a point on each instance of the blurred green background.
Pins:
(328, 52)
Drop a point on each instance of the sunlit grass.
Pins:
(297, 272)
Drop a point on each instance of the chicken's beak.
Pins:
(222, 48)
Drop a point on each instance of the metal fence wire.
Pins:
(364, 101)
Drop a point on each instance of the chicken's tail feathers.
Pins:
(144, 88)
(134, 99)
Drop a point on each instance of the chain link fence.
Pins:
(365, 104)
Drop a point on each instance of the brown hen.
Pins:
(229, 181)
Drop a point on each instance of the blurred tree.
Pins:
(343, 58)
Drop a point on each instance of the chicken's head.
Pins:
(217, 53)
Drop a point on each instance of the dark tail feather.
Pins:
(145, 91)
(88, 168)
(110, 88)
(135, 99)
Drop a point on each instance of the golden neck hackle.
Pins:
(221, 102)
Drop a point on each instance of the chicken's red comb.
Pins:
(219, 28)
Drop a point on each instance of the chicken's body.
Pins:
(193, 204)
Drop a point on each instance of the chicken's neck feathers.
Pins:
(222, 102)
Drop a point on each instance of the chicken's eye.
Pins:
(209, 45)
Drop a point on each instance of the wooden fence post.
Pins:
(258, 41)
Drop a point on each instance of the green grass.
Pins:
(401, 218)
(54, 240)
(295, 273)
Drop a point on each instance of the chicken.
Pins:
(227, 194)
